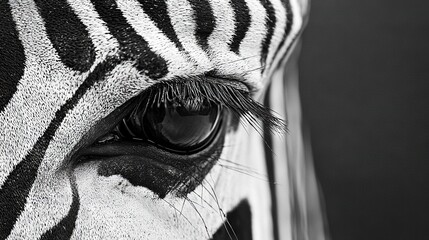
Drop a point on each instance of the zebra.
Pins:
(150, 119)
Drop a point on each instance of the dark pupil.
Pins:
(175, 126)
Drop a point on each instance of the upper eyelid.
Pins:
(198, 87)
(234, 95)
(239, 84)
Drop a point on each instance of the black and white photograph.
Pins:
(214, 119)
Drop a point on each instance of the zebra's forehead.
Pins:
(241, 39)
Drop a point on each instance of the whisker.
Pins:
(183, 204)
(211, 206)
(244, 173)
(237, 164)
(238, 60)
(171, 205)
(251, 70)
(228, 146)
(199, 214)
(224, 215)
(242, 168)
(201, 196)
(194, 202)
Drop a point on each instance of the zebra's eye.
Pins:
(179, 127)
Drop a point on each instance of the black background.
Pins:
(364, 86)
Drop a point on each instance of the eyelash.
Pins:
(234, 97)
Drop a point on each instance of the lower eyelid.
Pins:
(146, 165)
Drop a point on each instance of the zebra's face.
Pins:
(119, 118)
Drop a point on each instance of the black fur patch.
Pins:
(238, 224)
(67, 34)
(160, 171)
(203, 15)
(270, 25)
(12, 58)
(242, 23)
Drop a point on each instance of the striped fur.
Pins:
(67, 64)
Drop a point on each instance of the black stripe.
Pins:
(269, 160)
(67, 33)
(15, 190)
(271, 25)
(203, 15)
(237, 225)
(12, 58)
(158, 13)
(289, 19)
(289, 16)
(242, 23)
(64, 229)
(132, 45)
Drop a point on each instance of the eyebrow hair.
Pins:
(234, 95)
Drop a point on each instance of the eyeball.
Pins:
(180, 127)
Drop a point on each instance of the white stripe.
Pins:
(279, 31)
(252, 42)
(294, 33)
(226, 62)
(282, 156)
(259, 191)
(183, 22)
(225, 25)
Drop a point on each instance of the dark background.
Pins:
(364, 86)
